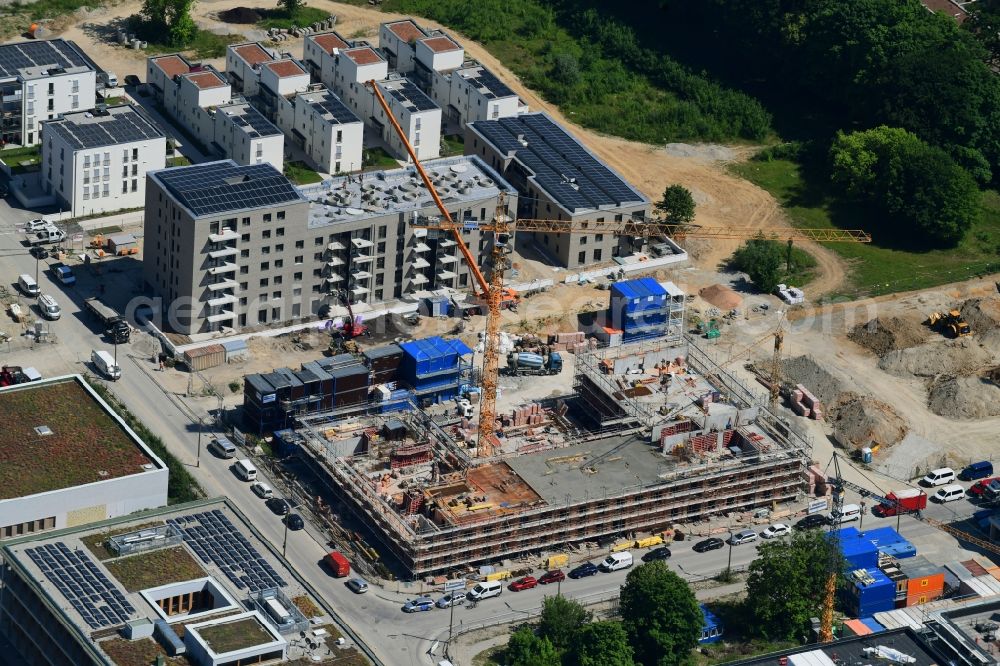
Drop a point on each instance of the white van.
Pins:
(848, 512)
(222, 447)
(27, 284)
(949, 493)
(939, 477)
(616, 561)
(48, 307)
(105, 364)
(490, 588)
(246, 470)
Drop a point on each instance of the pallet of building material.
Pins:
(816, 414)
(807, 397)
(800, 408)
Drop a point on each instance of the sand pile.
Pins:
(982, 314)
(942, 357)
(806, 371)
(721, 297)
(859, 420)
(965, 398)
(882, 336)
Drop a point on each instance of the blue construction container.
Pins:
(424, 361)
(900, 551)
(711, 628)
(872, 624)
(860, 552)
(639, 308)
(874, 596)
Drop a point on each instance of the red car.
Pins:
(979, 487)
(553, 576)
(525, 583)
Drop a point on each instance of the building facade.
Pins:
(326, 130)
(96, 161)
(243, 66)
(242, 134)
(398, 39)
(319, 50)
(558, 178)
(39, 81)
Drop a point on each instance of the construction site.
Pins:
(684, 442)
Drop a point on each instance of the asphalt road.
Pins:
(398, 638)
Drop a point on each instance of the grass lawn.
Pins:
(114, 99)
(301, 17)
(180, 160)
(490, 657)
(300, 174)
(96, 543)
(452, 145)
(17, 16)
(17, 157)
(376, 158)
(236, 635)
(307, 606)
(879, 267)
(153, 568)
(206, 44)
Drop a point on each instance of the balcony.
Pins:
(446, 242)
(362, 258)
(222, 300)
(334, 278)
(447, 259)
(334, 262)
(223, 284)
(226, 234)
(419, 278)
(224, 268)
(361, 243)
(421, 247)
(361, 275)
(336, 246)
(224, 252)
(446, 275)
(420, 262)
(225, 315)
(359, 291)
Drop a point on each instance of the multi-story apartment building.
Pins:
(96, 161)
(40, 80)
(559, 179)
(319, 50)
(435, 54)
(244, 135)
(188, 92)
(238, 246)
(397, 39)
(319, 123)
(243, 66)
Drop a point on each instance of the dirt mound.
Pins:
(965, 398)
(806, 371)
(859, 420)
(982, 314)
(943, 357)
(882, 336)
(241, 16)
(721, 296)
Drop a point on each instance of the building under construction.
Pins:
(676, 439)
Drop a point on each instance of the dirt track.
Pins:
(723, 198)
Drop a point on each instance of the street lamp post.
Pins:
(284, 542)
(200, 428)
(729, 563)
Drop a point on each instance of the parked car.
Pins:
(661, 553)
(812, 521)
(279, 506)
(294, 521)
(554, 576)
(949, 493)
(977, 488)
(451, 599)
(39, 252)
(584, 570)
(261, 490)
(939, 477)
(525, 583)
(418, 605)
(743, 536)
(712, 543)
(776, 530)
(977, 470)
(35, 225)
(357, 586)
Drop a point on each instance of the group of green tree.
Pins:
(170, 22)
(660, 624)
(661, 620)
(905, 99)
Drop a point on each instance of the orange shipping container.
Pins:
(931, 585)
(922, 598)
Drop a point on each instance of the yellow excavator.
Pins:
(950, 323)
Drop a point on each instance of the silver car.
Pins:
(451, 599)
(357, 586)
(743, 536)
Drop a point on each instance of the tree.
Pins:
(660, 615)
(291, 6)
(526, 649)
(677, 205)
(761, 260)
(786, 583)
(170, 20)
(601, 644)
(560, 620)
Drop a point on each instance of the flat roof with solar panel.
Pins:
(98, 128)
(486, 82)
(409, 95)
(249, 120)
(559, 164)
(329, 106)
(213, 188)
(36, 59)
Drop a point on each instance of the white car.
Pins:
(35, 225)
(261, 490)
(776, 530)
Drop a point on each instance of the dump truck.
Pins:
(115, 326)
(950, 323)
(338, 564)
(523, 363)
(908, 499)
(48, 235)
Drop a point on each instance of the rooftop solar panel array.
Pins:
(257, 125)
(561, 166)
(331, 104)
(214, 538)
(94, 596)
(217, 187)
(49, 53)
(408, 94)
(495, 88)
(117, 128)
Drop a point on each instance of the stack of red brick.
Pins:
(525, 415)
(805, 403)
(572, 342)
